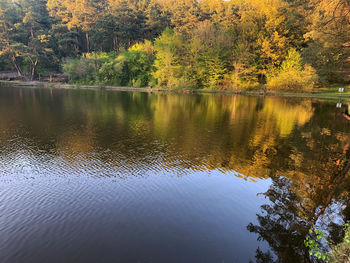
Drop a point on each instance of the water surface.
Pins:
(104, 176)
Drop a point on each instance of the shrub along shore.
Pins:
(331, 92)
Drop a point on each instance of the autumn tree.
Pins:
(328, 34)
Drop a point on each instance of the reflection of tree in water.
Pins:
(178, 132)
(280, 225)
(286, 220)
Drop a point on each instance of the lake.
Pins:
(110, 176)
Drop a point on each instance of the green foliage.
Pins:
(210, 55)
(64, 41)
(24, 34)
(129, 68)
(293, 61)
(139, 66)
(84, 70)
(170, 69)
(292, 75)
(314, 241)
(80, 70)
(200, 62)
(112, 72)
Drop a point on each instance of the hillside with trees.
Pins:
(209, 44)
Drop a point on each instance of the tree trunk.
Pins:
(76, 47)
(31, 32)
(32, 71)
(18, 68)
(87, 42)
(115, 44)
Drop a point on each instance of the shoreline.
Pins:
(319, 94)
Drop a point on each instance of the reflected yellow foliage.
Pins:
(288, 115)
(253, 136)
(72, 144)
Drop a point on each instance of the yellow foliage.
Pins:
(294, 80)
(287, 115)
(145, 46)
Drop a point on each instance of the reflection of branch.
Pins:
(346, 116)
(337, 181)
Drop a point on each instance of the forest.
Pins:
(238, 45)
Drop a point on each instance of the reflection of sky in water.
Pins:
(202, 214)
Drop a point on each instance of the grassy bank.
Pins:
(331, 92)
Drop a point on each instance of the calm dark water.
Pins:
(102, 176)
